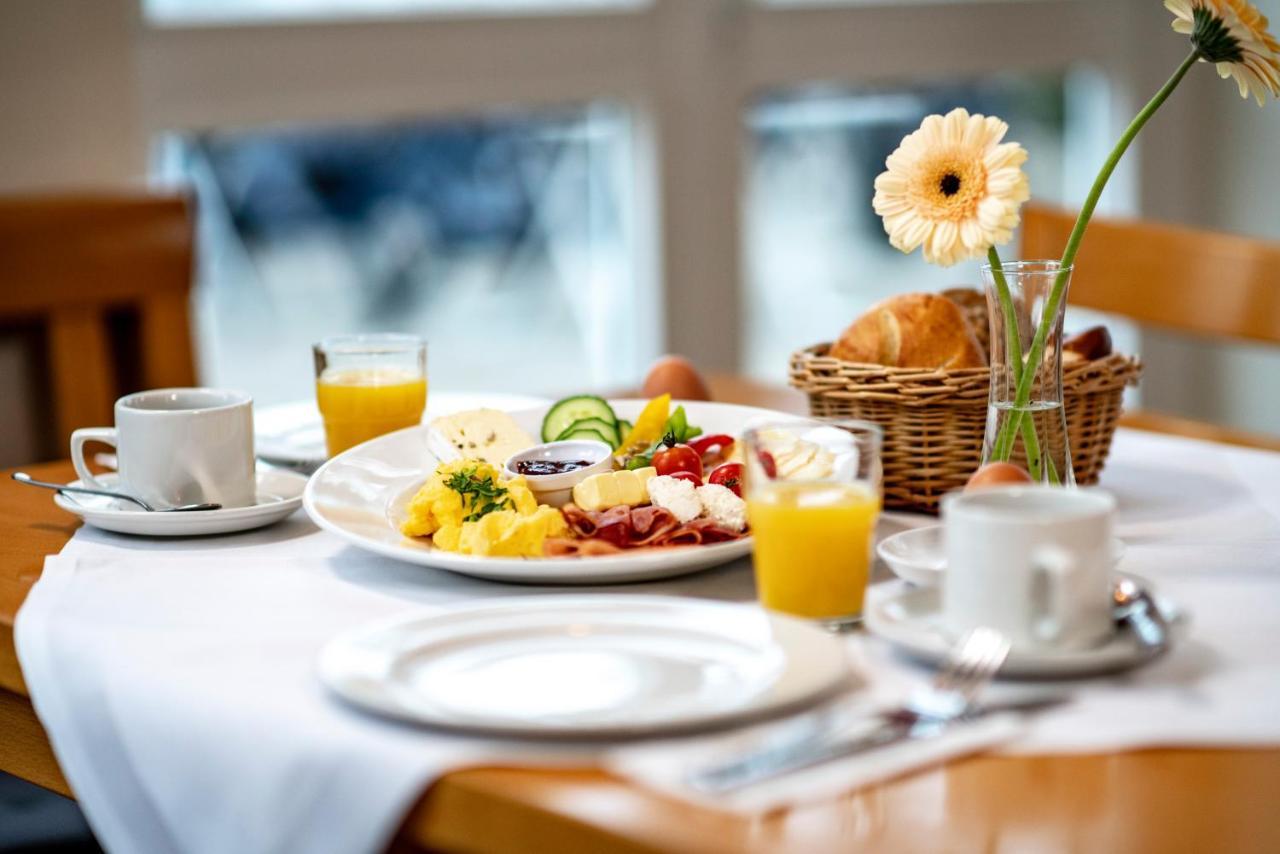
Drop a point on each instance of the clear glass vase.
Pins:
(1032, 431)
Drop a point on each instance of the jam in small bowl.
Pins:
(553, 469)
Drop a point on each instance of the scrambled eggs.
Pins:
(465, 508)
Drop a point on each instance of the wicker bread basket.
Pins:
(933, 420)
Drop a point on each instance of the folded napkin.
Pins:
(176, 678)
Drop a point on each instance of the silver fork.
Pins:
(971, 664)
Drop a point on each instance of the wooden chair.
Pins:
(106, 281)
(1179, 279)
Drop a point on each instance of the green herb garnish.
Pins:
(482, 493)
(678, 426)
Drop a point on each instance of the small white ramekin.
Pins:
(557, 489)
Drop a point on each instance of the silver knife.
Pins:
(892, 727)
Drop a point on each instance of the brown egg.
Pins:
(997, 474)
(675, 375)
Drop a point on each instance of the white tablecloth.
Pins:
(175, 678)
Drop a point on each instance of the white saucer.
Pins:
(279, 494)
(909, 620)
(917, 555)
(586, 666)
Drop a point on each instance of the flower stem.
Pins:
(1023, 394)
(1013, 355)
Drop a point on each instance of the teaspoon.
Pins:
(1134, 607)
(23, 477)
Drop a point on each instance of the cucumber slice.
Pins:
(593, 435)
(624, 427)
(605, 428)
(563, 413)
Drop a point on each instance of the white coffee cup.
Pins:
(1033, 562)
(178, 446)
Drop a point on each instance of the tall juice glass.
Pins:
(367, 385)
(813, 497)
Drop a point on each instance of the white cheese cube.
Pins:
(721, 505)
(675, 495)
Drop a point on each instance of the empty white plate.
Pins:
(918, 555)
(279, 494)
(586, 666)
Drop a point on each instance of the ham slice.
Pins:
(625, 527)
(605, 532)
(700, 532)
(565, 547)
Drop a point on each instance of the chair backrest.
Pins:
(1165, 276)
(108, 279)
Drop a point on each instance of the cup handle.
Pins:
(1053, 568)
(106, 435)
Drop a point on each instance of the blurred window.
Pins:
(502, 239)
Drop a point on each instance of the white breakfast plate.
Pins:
(917, 555)
(361, 495)
(586, 666)
(279, 494)
(908, 619)
(291, 434)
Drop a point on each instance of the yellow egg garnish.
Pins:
(466, 508)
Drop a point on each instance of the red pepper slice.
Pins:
(702, 444)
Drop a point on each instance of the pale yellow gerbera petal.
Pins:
(1181, 10)
(991, 212)
(932, 131)
(943, 236)
(994, 129)
(954, 125)
(1005, 155)
(890, 182)
(913, 233)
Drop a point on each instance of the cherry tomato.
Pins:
(729, 476)
(680, 457)
(686, 475)
(674, 458)
(768, 463)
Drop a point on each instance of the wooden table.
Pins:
(1152, 800)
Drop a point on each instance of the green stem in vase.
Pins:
(1022, 396)
(1013, 355)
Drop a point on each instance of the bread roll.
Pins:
(911, 331)
(1093, 343)
(973, 303)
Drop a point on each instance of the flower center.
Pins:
(949, 184)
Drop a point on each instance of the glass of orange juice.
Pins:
(367, 385)
(813, 497)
